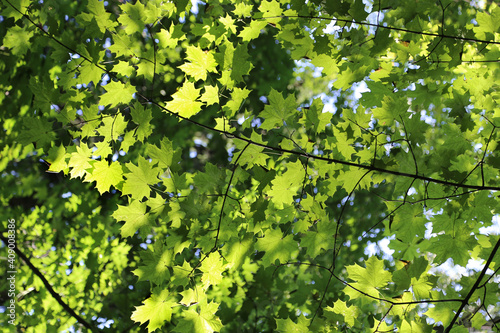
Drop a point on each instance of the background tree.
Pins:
(173, 167)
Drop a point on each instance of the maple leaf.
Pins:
(165, 156)
(253, 154)
(117, 93)
(240, 64)
(422, 287)
(16, 11)
(212, 269)
(315, 118)
(91, 120)
(283, 190)
(348, 312)
(171, 37)
(87, 71)
(112, 127)
(105, 175)
(200, 63)
(329, 66)
(157, 309)
(102, 149)
(155, 264)
(57, 159)
(184, 101)
(343, 144)
(142, 117)
(211, 95)
(276, 247)
(202, 321)
(193, 296)
(122, 44)
(237, 97)
(180, 276)
(287, 325)
(134, 215)
(228, 23)
(368, 279)
(243, 9)
(133, 20)
(279, 110)
(38, 131)
(324, 238)
(252, 30)
(271, 10)
(17, 39)
(356, 176)
(98, 15)
(213, 179)
(456, 246)
(238, 250)
(80, 161)
(393, 107)
(139, 178)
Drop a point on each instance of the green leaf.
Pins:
(488, 23)
(112, 127)
(243, 9)
(279, 110)
(91, 120)
(212, 268)
(237, 97)
(422, 288)
(133, 18)
(184, 101)
(122, 44)
(37, 131)
(171, 37)
(18, 40)
(455, 246)
(270, 9)
(283, 190)
(134, 215)
(98, 14)
(287, 325)
(392, 109)
(240, 64)
(315, 119)
(252, 30)
(57, 159)
(142, 117)
(140, 178)
(193, 296)
(117, 93)
(165, 156)
(105, 175)
(155, 264)
(368, 279)
(276, 247)
(80, 161)
(157, 309)
(200, 63)
(211, 95)
(350, 313)
(323, 238)
(17, 8)
(202, 321)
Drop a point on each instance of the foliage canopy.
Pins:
(226, 167)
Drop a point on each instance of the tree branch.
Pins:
(51, 290)
(474, 287)
(441, 35)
